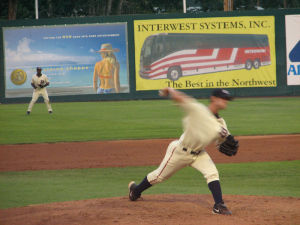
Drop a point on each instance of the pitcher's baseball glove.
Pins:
(230, 146)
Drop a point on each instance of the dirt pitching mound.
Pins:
(158, 209)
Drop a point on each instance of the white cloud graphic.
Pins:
(23, 45)
(25, 56)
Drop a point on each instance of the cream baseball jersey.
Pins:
(43, 79)
(200, 126)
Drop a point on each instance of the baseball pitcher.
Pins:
(202, 126)
(39, 83)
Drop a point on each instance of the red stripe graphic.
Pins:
(189, 60)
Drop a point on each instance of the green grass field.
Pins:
(141, 120)
(87, 121)
(38, 187)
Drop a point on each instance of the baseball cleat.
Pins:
(132, 196)
(50, 112)
(28, 112)
(222, 209)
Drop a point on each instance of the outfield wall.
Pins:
(67, 48)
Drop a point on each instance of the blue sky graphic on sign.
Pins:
(67, 54)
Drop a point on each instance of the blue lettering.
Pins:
(293, 70)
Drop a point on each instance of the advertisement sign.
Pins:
(292, 26)
(194, 53)
(77, 59)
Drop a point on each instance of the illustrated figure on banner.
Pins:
(107, 71)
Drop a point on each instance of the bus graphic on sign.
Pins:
(173, 55)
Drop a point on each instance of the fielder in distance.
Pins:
(39, 83)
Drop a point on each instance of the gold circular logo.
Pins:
(18, 76)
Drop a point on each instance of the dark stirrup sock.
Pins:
(215, 189)
(142, 186)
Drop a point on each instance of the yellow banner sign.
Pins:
(194, 53)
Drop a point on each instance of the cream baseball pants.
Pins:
(36, 94)
(177, 157)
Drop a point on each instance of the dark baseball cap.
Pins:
(39, 68)
(222, 93)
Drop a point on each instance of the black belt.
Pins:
(192, 152)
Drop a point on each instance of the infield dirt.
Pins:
(151, 209)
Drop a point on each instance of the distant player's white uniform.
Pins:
(43, 79)
(201, 128)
